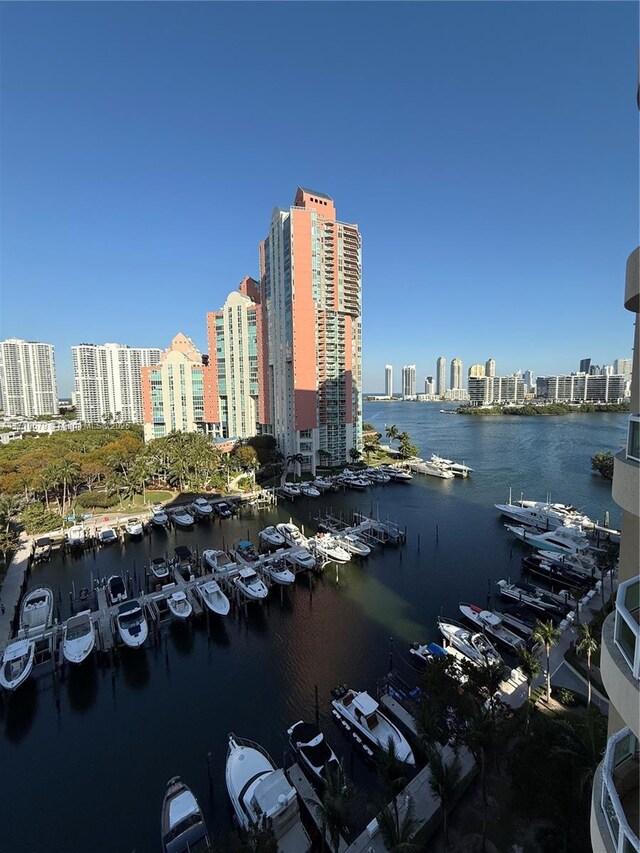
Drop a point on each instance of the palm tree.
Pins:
(398, 833)
(478, 735)
(587, 645)
(443, 781)
(392, 433)
(530, 666)
(354, 454)
(67, 473)
(583, 744)
(391, 774)
(295, 459)
(333, 808)
(325, 457)
(547, 634)
(368, 449)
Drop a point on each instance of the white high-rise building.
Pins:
(441, 376)
(490, 367)
(622, 367)
(388, 380)
(409, 380)
(28, 378)
(529, 381)
(429, 385)
(108, 382)
(456, 373)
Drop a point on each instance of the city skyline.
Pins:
(148, 217)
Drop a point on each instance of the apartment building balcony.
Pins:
(620, 654)
(626, 471)
(614, 802)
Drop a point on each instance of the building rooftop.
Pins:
(315, 192)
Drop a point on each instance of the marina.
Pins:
(325, 629)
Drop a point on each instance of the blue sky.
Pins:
(488, 152)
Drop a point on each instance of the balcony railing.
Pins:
(620, 786)
(627, 628)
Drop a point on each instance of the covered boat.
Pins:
(314, 753)
(183, 826)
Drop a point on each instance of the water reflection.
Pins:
(181, 637)
(19, 710)
(135, 667)
(82, 685)
(217, 632)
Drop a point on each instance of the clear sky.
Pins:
(488, 152)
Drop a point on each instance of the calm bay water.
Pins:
(83, 766)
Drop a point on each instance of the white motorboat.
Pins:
(36, 612)
(76, 536)
(313, 752)
(159, 568)
(327, 547)
(107, 536)
(271, 537)
(376, 475)
(492, 624)
(213, 598)
(353, 544)
(289, 490)
(202, 508)
(545, 515)
(261, 792)
(303, 558)
(531, 596)
(159, 518)
(309, 490)
(183, 827)
(433, 470)
(42, 549)
(182, 518)
(561, 540)
(79, 637)
(217, 561)
(292, 534)
(17, 663)
(179, 604)
(396, 474)
(322, 484)
(248, 582)
(363, 713)
(134, 527)
(132, 624)
(279, 572)
(116, 591)
(426, 652)
(472, 644)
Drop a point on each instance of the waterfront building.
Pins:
(585, 365)
(429, 386)
(441, 375)
(622, 366)
(529, 382)
(408, 381)
(490, 367)
(476, 370)
(388, 380)
(107, 381)
(235, 337)
(177, 392)
(311, 282)
(456, 394)
(495, 390)
(581, 388)
(28, 385)
(615, 794)
(456, 373)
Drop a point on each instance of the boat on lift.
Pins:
(17, 663)
(245, 552)
(201, 508)
(292, 534)
(116, 591)
(159, 568)
(217, 561)
(471, 644)
(36, 612)
(107, 536)
(493, 624)
(76, 536)
(248, 582)
(179, 604)
(213, 598)
(79, 637)
(181, 518)
(183, 829)
(309, 490)
(271, 537)
(132, 624)
(159, 517)
(353, 544)
(42, 549)
(554, 573)
(279, 572)
(327, 546)
(290, 490)
(303, 557)
(362, 713)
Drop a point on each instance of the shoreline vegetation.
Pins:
(529, 410)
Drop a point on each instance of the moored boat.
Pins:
(159, 568)
(562, 540)
(42, 549)
(531, 596)
(134, 527)
(36, 612)
(279, 572)
(79, 637)
(362, 712)
(132, 624)
(492, 624)
(271, 537)
(326, 545)
(309, 490)
(313, 752)
(472, 644)
(213, 598)
(107, 536)
(245, 552)
(17, 663)
(183, 829)
(159, 518)
(216, 560)
(182, 518)
(303, 558)
(248, 582)
(353, 544)
(76, 536)
(289, 490)
(292, 534)
(201, 508)
(426, 652)
(179, 604)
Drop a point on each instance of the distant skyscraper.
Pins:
(529, 381)
(176, 393)
(607, 370)
(107, 381)
(409, 380)
(429, 385)
(388, 380)
(490, 367)
(28, 378)
(585, 365)
(456, 373)
(476, 370)
(441, 375)
(622, 367)
(312, 295)
(235, 338)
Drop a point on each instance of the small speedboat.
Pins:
(107, 536)
(134, 527)
(259, 791)
(213, 598)
(362, 713)
(159, 568)
(116, 591)
(42, 549)
(289, 490)
(183, 826)
(321, 484)
(183, 556)
(76, 536)
(309, 490)
(223, 510)
(427, 652)
(217, 561)
(17, 663)
(179, 604)
(79, 637)
(314, 753)
(36, 612)
(132, 625)
(531, 596)
(472, 644)
(271, 537)
(353, 544)
(327, 547)
(279, 572)
(202, 508)
(159, 518)
(182, 518)
(292, 534)
(492, 624)
(248, 582)
(245, 551)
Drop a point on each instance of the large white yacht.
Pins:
(260, 791)
(562, 540)
(362, 712)
(472, 644)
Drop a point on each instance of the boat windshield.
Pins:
(74, 632)
(191, 825)
(129, 619)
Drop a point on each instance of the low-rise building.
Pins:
(581, 388)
